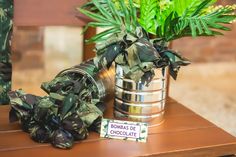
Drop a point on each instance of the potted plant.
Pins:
(136, 39)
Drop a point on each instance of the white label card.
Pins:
(125, 130)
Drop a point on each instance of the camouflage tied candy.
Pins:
(169, 58)
(6, 15)
(71, 109)
(138, 56)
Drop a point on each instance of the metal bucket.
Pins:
(103, 79)
(136, 102)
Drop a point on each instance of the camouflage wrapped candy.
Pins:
(6, 15)
(70, 110)
(169, 58)
(138, 55)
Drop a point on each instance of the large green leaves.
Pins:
(136, 3)
(168, 19)
(148, 10)
(196, 22)
(106, 15)
(181, 6)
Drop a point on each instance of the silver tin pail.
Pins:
(136, 102)
(102, 79)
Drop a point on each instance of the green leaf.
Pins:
(102, 36)
(133, 11)
(148, 11)
(114, 12)
(92, 15)
(167, 23)
(100, 24)
(126, 15)
(190, 7)
(199, 27)
(105, 15)
(217, 26)
(207, 30)
(200, 7)
(102, 10)
(199, 23)
(226, 19)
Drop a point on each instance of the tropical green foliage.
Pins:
(196, 21)
(106, 15)
(136, 3)
(178, 18)
(167, 19)
(148, 11)
(181, 6)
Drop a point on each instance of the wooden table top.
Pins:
(184, 133)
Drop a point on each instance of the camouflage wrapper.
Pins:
(138, 55)
(6, 15)
(70, 110)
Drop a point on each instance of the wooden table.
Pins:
(184, 133)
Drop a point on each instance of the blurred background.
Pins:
(207, 86)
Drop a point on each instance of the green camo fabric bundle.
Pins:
(6, 15)
(71, 109)
(138, 55)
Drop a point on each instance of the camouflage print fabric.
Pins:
(138, 56)
(6, 15)
(169, 58)
(70, 110)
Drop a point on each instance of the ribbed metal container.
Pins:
(103, 80)
(136, 102)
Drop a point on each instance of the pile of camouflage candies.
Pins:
(138, 55)
(70, 110)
